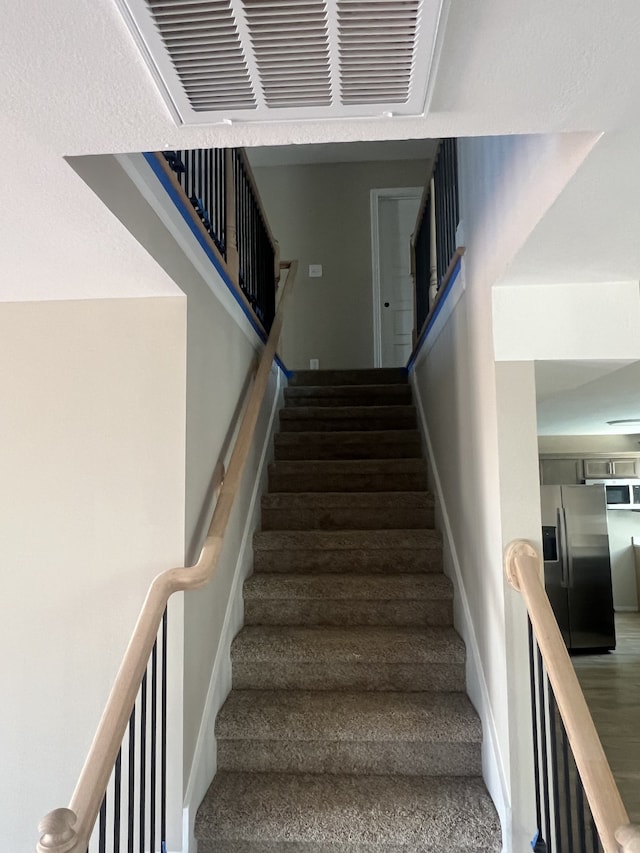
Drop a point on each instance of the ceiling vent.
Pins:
(279, 60)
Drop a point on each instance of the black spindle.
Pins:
(132, 782)
(152, 769)
(163, 736)
(143, 761)
(117, 793)
(102, 830)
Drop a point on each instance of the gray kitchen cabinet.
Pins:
(612, 467)
(560, 472)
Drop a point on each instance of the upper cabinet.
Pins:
(602, 469)
(560, 472)
(571, 470)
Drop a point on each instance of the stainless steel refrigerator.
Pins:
(577, 568)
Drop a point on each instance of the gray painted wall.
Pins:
(320, 214)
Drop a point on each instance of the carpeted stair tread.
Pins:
(367, 376)
(338, 418)
(358, 444)
(348, 395)
(342, 551)
(359, 645)
(352, 587)
(348, 599)
(347, 510)
(377, 813)
(308, 715)
(348, 475)
(346, 540)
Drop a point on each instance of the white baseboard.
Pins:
(204, 765)
(492, 761)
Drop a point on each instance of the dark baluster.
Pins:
(534, 717)
(102, 826)
(117, 794)
(152, 769)
(580, 814)
(554, 761)
(163, 735)
(207, 189)
(131, 803)
(566, 771)
(143, 761)
(595, 841)
(543, 748)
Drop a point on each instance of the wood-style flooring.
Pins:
(611, 684)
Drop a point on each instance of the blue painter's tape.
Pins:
(439, 305)
(186, 213)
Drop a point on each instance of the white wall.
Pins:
(321, 215)
(92, 494)
(481, 423)
(563, 321)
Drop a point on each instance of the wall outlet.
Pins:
(315, 270)
(314, 364)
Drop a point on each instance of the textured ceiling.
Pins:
(578, 398)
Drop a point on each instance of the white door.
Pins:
(394, 219)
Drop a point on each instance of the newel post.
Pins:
(628, 837)
(57, 832)
(231, 231)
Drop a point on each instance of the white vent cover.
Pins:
(266, 60)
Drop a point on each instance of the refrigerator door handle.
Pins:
(568, 557)
(561, 519)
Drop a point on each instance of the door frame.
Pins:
(375, 197)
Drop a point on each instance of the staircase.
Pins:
(348, 729)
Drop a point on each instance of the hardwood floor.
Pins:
(611, 684)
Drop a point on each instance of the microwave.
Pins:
(620, 494)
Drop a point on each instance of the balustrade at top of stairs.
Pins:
(348, 728)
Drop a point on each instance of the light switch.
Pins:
(315, 270)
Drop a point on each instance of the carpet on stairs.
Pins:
(348, 727)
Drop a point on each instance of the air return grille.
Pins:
(227, 60)
(377, 41)
(291, 49)
(203, 42)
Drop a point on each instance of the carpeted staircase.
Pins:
(348, 729)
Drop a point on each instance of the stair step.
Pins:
(334, 418)
(371, 376)
(297, 599)
(324, 813)
(341, 551)
(348, 475)
(363, 658)
(348, 395)
(347, 510)
(363, 444)
(332, 732)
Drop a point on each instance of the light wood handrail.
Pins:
(523, 568)
(69, 830)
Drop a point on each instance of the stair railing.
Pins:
(141, 679)
(434, 252)
(570, 763)
(216, 190)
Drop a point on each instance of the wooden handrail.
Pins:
(523, 568)
(69, 830)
